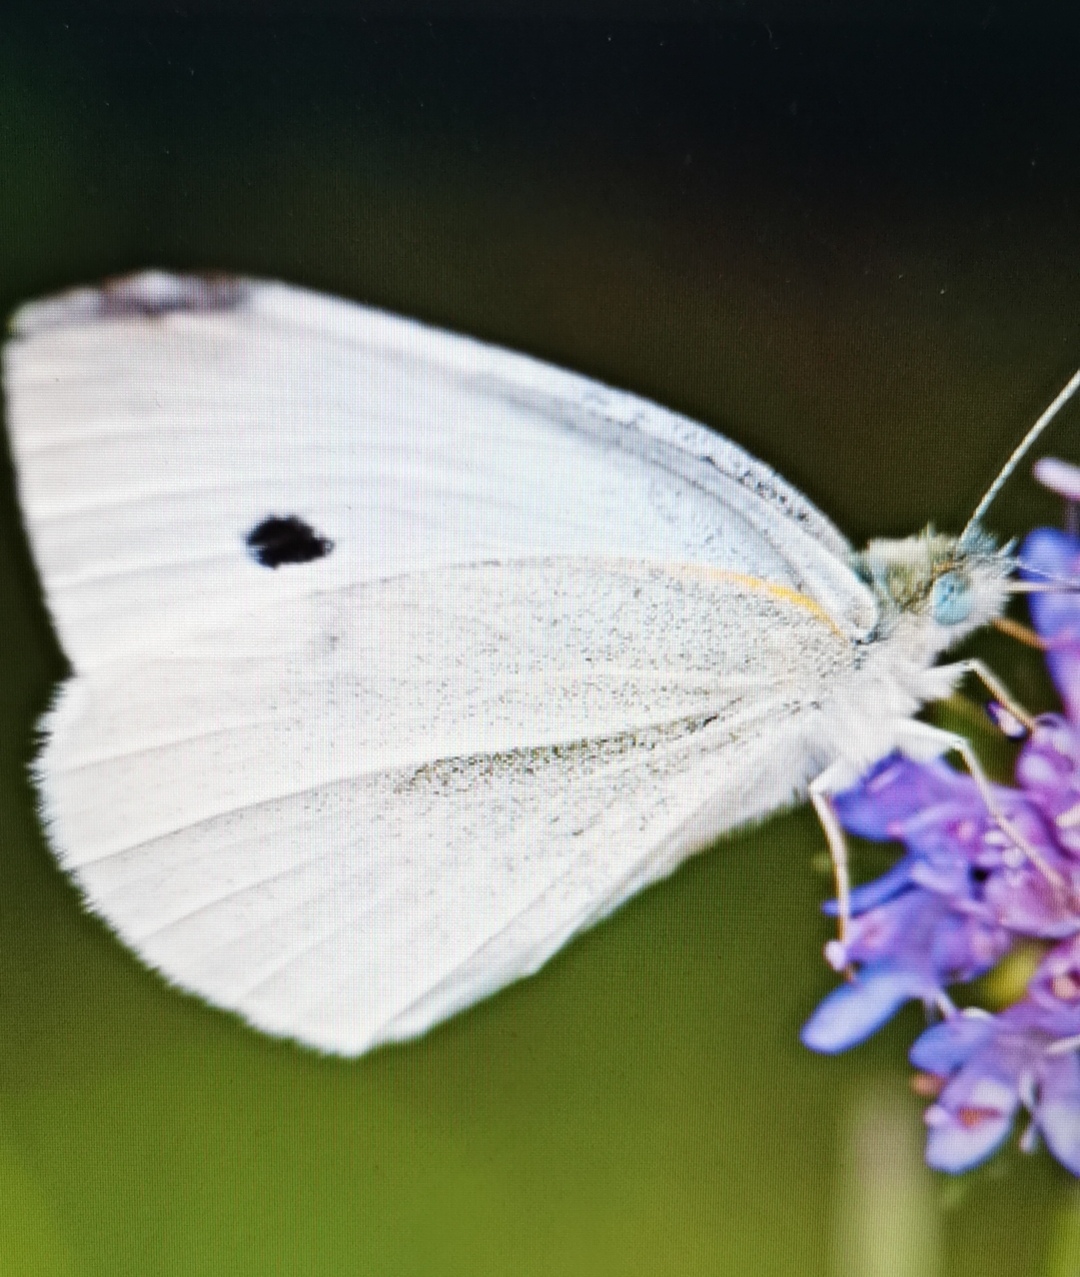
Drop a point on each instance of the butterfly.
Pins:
(397, 659)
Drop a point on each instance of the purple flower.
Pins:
(986, 1068)
(1049, 553)
(950, 909)
(910, 947)
(963, 895)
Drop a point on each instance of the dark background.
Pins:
(844, 235)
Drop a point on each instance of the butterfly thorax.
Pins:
(933, 589)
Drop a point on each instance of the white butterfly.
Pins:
(398, 659)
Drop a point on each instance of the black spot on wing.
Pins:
(274, 542)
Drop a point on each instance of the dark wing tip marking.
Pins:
(153, 293)
(274, 542)
(147, 295)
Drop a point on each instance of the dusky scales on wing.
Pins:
(397, 659)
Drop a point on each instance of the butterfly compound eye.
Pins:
(950, 599)
(273, 542)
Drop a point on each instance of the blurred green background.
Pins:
(845, 235)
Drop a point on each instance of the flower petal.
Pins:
(1047, 551)
(893, 790)
(861, 1006)
(959, 1140)
(973, 1115)
(944, 1047)
(1058, 1110)
(882, 889)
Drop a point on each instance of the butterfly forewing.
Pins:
(148, 447)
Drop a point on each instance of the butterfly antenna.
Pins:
(1021, 449)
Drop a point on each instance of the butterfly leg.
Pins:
(821, 789)
(922, 741)
(994, 686)
(1022, 633)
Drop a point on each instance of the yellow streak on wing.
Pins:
(760, 586)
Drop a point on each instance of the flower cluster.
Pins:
(965, 894)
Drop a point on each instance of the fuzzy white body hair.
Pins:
(896, 674)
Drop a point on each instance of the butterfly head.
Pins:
(938, 586)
